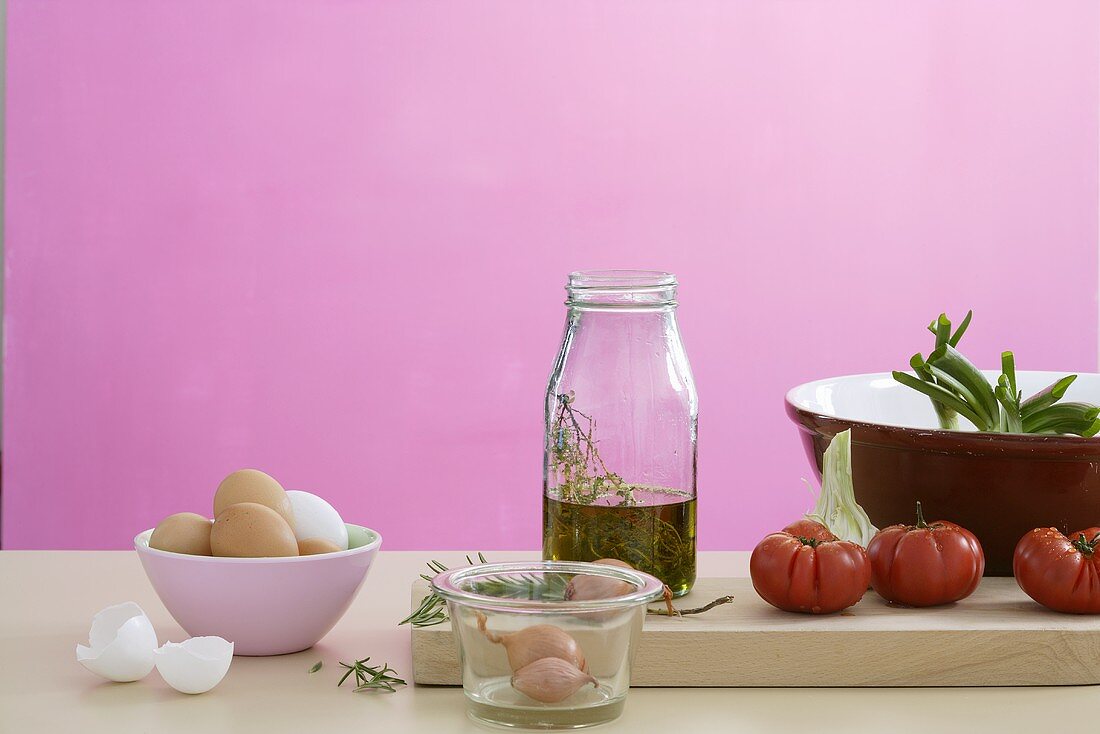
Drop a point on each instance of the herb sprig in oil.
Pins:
(584, 477)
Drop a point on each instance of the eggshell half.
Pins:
(252, 485)
(316, 518)
(195, 665)
(250, 530)
(184, 532)
(122, 643)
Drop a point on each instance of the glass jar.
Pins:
(621, 416)
(546, 645)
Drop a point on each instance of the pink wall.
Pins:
(329, 239)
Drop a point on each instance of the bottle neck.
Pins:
(621, 290)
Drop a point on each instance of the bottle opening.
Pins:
(621, 289)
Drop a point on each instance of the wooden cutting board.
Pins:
(996, 637)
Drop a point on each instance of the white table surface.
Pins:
(48, 599)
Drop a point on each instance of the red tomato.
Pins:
(806, 528)
(801, 574)
(1061, 573)
(925, 564)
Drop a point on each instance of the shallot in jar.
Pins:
(546, 644)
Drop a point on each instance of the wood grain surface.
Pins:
(997, 637)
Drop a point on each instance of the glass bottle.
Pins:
(621, 415)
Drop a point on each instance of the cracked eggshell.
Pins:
(195, 665)
(122, 643)
(314, 518)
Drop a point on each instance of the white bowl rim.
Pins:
(141, 545)
(1053, 375)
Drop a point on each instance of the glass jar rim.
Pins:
(621, 290)
(646, 587)
(620, 279)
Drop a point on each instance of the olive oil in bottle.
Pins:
(658, 539)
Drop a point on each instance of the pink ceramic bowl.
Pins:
(264, 606)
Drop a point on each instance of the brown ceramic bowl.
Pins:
(999, 486)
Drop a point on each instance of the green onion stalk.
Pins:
(957, 388)
(836, 506)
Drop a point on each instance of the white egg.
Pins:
(195, 665)
(122, 643)
(315, 518)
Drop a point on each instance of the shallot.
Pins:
(587, 586)
(536, 642)
(550, 680)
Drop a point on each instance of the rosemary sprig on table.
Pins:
(316, 666)
(371, 677)
(956, 387)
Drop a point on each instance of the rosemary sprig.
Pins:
(432, 610)
(550, 587)
(429, 613)
(316, 666)
(371, 677)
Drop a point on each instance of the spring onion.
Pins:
(836, 506)
(957, 388)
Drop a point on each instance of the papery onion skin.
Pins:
(550, 680)
(535, 643)
(586, 586)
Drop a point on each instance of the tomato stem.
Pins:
(1086, 546)
(812, 542)
(920, 517)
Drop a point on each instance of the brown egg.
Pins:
(251, 530)
(184, 532)
(252, 485)
(313, 546)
